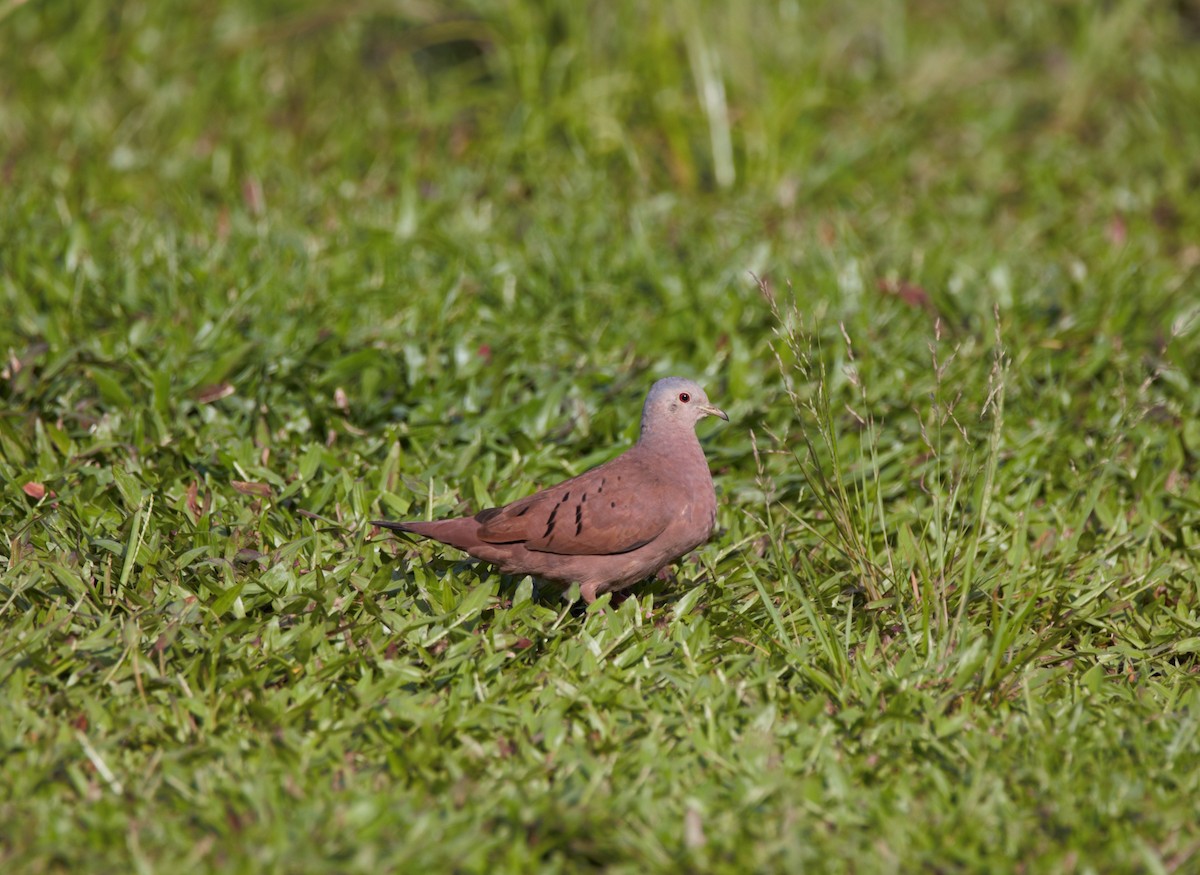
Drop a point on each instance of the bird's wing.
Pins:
(611, 509)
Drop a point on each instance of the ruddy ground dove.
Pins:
(614, 525)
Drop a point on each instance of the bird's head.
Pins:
(676, 404)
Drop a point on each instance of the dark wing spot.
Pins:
(600, 488)
(490, 513)
(583, 499)
(524, 510)
(612, 504)
(550, 522)
(566, 495)
(578, 518)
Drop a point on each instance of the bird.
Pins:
(614, 525)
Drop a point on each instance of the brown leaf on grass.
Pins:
(910, 293)
(340, 401)
(34, 490)
(309, 515)
(197, 508)
(263, 490)
(1045, 541)
(209, 394)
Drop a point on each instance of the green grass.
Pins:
(271, 270)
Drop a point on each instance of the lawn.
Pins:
(271, 270)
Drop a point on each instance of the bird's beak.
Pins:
(714, 411)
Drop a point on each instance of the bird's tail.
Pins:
(425, 528)
(394, 526)
(461, 532)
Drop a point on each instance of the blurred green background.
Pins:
(269, 270)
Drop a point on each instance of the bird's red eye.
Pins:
(685, 397)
